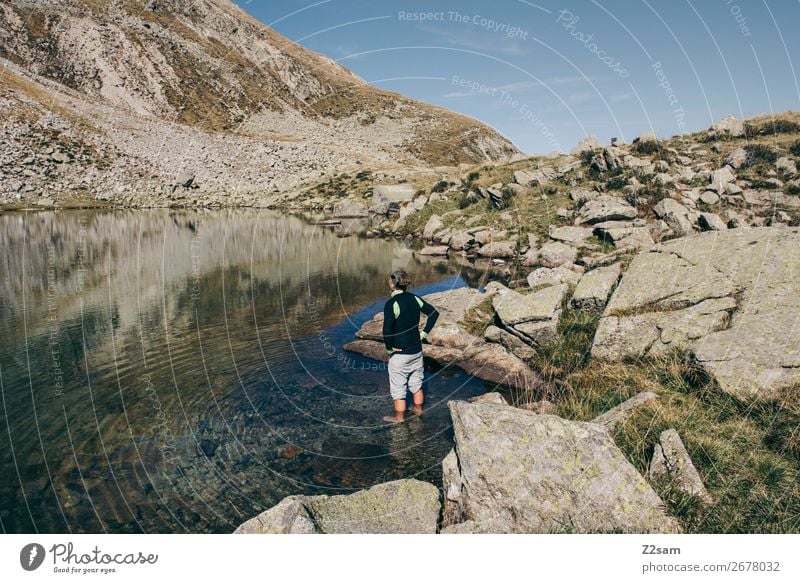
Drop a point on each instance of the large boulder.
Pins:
(510, 341)
(516, 471)
(460, 240)
(349, 208)
(605, 208)
(545, 276)
(721, 178)
(515, 308)
(498, 249)
(729, 297)
(727, 126)
(434, 250)
(392, 193)
(523, 178)
(675, 215)
(402, 506)
(434, 224)
(556, 254)
(736, 158)
(452, 306)
(572, 235)
(595, 286)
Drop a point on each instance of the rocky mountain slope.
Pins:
(647, 337)
(122, 98)
(679, 222)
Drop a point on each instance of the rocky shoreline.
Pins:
(511, 471)
(651, 257)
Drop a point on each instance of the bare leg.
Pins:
(419, 399)
(399, 412)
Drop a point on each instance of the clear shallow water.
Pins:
(181, 371)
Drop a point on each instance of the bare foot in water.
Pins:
(416, 410)
(392, 419)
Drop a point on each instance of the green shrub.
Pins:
(771, 128)
(440, 186)
(616, 182)
(586, 157)
(759, 154)
(646, 147)
(760, 184)
(795, 148)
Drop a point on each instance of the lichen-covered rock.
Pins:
(726, 296)
(720, 178)
(498, 249)
(467, 527)
(545, 276)
(515, 308)
(516, 471)
(727, 126)
(493, 397)
(494, 364)
(605, 208)
(401, 506)
(675, 215)
(658, 332)
(541, 333)
(671, 460)
(289, 516)
(556, 254)
(711, 222)
(460, 240)
(595, 286)
(350, 208)
(568, 234)
(434, 224)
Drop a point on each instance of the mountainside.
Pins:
(159, 88)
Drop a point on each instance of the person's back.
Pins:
(401, 316)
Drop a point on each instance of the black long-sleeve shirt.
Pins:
(401, 322)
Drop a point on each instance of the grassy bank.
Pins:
(747, 453)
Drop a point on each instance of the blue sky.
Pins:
(547, 73)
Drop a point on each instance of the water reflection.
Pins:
(180, 371)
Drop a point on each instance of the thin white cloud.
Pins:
(616, 98)
(522, 86)
(478, 42)
(580, 97)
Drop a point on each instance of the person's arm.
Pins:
(432, 314)
(388, 327)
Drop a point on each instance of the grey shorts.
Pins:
(405, 374)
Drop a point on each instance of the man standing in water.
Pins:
(404, 343)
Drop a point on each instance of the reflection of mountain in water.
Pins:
(176, 371)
